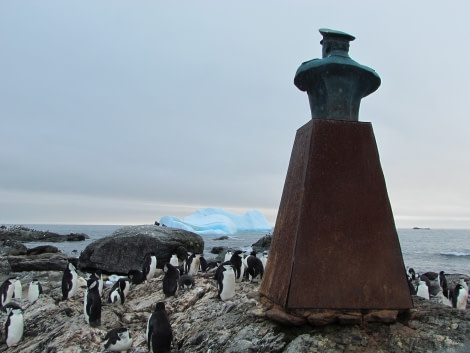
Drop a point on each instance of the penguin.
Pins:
(228, 256)
(244, 265)
(81, 282)
(460, 296)
(182, 255)
(463, 283)
(188, 262)
(136, 276)
(116, 296)
(441, 298)
(212, 266)
(14, 325)
(203, 264)
(174, 260)
(18, 293)
(194, 266)
(432, 280)
(69, 282)
(186, 282)
(118, 340)
(422, 290)
(149, 266)
(264, 259)
(255, 267)
(92, 303)
(99, 277)
(236, 261)
(170, 279)
(34, 290)
(6, 291)
(124, 284)
(412, 273)
(411, 286)
(159, 334)
(225, 277)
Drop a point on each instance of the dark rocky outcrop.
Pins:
(125, 249)
(42, 249)
(218, 249)
(25, 234)
(223, 237)
(40, 262)
(262, 244)
(12, 247)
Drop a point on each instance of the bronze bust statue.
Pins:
(335, 84)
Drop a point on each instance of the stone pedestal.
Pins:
(335, 244)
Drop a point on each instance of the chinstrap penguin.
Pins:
(264, 259)
(422, 290)
(170, 279)
(228, 255)
(254, 267)
(118, 340)
(7, 290)
(97, 275)
(116, 295)
(92, 303)
(149, 266)
(14, 324)
(159, 334)
(18, 293)
(460, 295)
(225, 277)
(69, 282)
(136, 276)
(186, 282)
(236, 260)
(194, 266)
(34, 290)
(174, 260)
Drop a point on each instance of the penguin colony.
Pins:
(433, 286)
(179, 274)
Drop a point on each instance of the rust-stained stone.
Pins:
(335, 244)
(387, 316)
(285, 318)
(323, 318)
(350, 318)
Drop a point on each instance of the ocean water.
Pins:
(423, 249)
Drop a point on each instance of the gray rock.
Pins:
(263, 244)
(25, 234)
(124, 250)
(42, 249)
(40, 262)
(12, 247)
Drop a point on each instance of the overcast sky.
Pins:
(121, 112)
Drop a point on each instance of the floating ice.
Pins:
(218, 221)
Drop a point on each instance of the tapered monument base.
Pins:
(335, 245)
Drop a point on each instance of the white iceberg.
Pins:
(218, 221)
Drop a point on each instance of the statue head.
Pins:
(335, 42)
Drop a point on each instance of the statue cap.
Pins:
(334, 34)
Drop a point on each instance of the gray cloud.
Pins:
(121, 113)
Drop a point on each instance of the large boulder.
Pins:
(124, 250)
(263, 244)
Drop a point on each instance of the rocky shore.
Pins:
(25, 234)
(203, 323)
